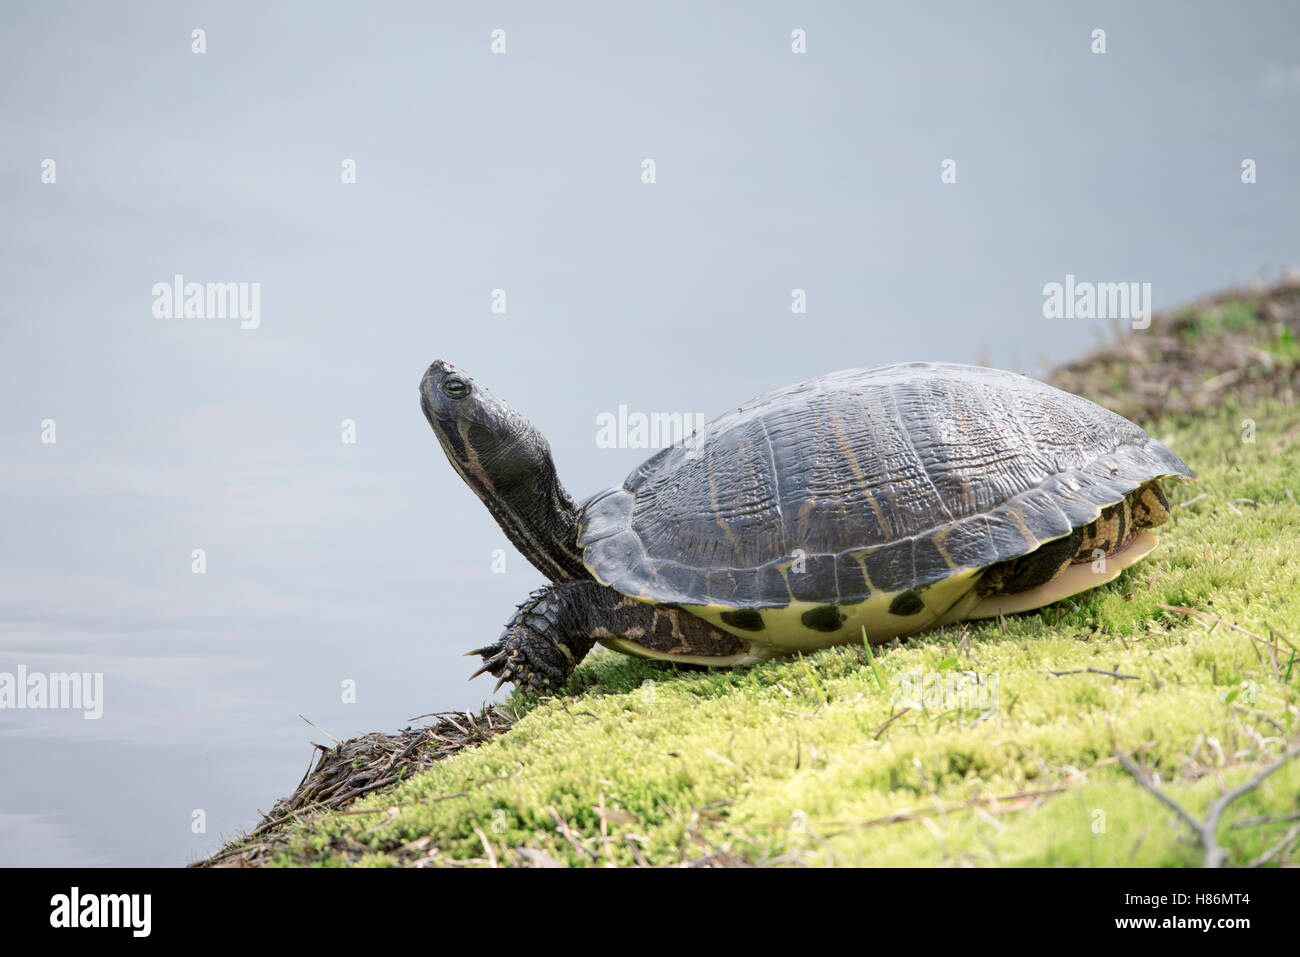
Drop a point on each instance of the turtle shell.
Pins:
(864, 482)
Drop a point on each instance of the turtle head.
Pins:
(508, 464)
(468, 419)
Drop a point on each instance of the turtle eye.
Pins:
(456, 388)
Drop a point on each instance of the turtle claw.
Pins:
(487, 664)
(525, 657)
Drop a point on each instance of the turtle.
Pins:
(867, 503)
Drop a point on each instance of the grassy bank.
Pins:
(1087, 710)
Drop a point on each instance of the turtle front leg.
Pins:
(554, 629)
(546, 637)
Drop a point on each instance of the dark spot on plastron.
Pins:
(908, 603)
(823, 618)
(746, 619)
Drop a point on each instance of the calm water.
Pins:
(368, 564)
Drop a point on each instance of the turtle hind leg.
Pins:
(1076, 577)
(1028, 572)
(1109, 535)
(1148, 506)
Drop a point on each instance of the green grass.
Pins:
(1284, 346)
(1232, 316)
(816, 759)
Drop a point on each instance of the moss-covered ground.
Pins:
(993, 744)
